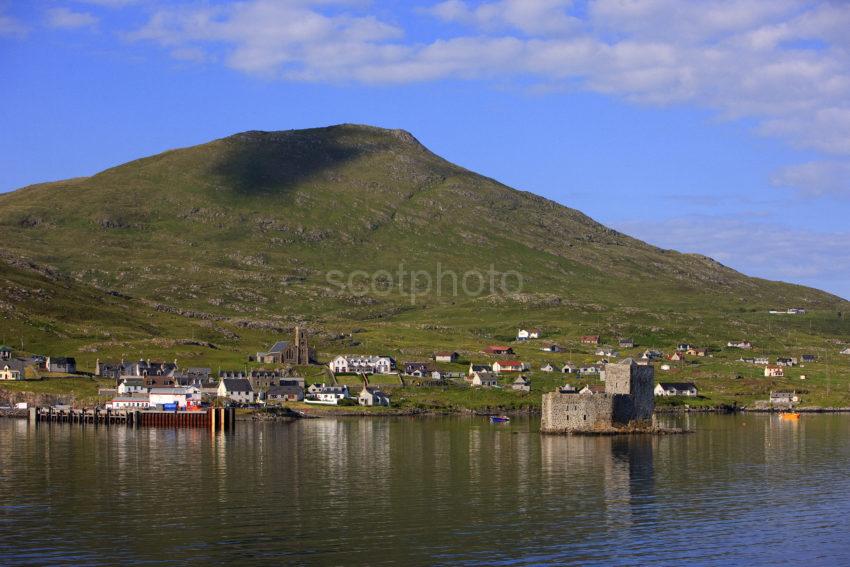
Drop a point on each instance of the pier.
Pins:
(216, 419)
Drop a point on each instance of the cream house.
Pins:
(9, 373)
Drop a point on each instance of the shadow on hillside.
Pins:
(273, 163)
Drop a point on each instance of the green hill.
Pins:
(238, 239)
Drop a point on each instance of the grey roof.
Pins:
(284, 390)
(279, 346)
(237, 385)
(677, 385)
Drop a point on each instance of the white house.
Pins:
(552, 348)
(356, 363)
(183, 397)
(547, 368)
(484, 380)
(9, 373)
(846, 351)
(373, 397)
(773, 371)
(665, 367)
(509, 366)
(569, 368)
(761, 360)
(130, 402)
(446, 356)
(331, 394)
(607, 352)
(132, 386)
(676, 389)
(525, 334)
(740, 344)
(237, 389)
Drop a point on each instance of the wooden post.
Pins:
(33, 415)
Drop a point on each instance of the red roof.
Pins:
(509, 363)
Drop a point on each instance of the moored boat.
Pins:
(499, 418)
(789, 415)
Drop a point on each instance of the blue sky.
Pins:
(716, 127)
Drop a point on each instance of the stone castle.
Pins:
(628, 403)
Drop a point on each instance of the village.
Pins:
(290, 374)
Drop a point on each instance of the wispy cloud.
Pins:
(783, 64)
(756, 247)
(816, 178)
(65, 18)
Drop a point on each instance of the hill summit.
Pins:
(316, 224)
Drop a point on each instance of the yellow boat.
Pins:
(790, 415)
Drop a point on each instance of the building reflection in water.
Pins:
(610, 478)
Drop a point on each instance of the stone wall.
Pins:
(565, 413)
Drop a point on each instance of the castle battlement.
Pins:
(628, 402)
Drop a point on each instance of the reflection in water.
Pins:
(414, 491)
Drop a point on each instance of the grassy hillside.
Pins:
(211, 252)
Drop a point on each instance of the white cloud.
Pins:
(783, 64)
(757, 248)
(65, 18)
(816, 178)
(529, 16)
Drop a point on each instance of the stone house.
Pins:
(65, 364)
(521, 384)
(6, 352)
(590, 340)
(547, 368)
(676, 357)
(694, 351)
(809, 358)
(626, 343)
(607, 352)
(552, 348)
(676, 389)
(627, 401)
